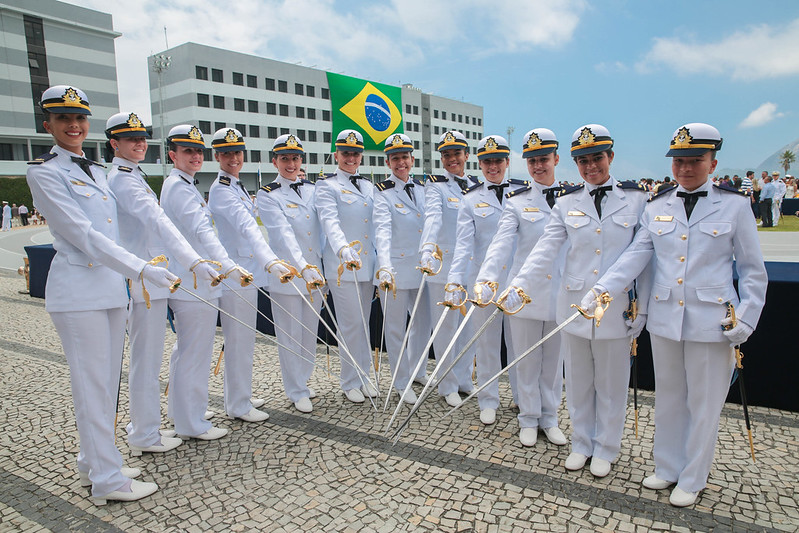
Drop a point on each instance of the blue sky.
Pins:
(640, 68)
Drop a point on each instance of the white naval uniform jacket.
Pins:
(144, 228)
(478, 217)
(593, 246)
(524, 217)
(398, 230)
(345, 214)
(234, 215)
(185, 207)
(693, 264)
(89, 268)
(442, 196)
(292, 225)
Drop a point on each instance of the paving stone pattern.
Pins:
(332, 470)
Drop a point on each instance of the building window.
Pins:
(327, 136)
(325, 93)
(312, 113)
(435, 113)
(310, 90)
(238, 104)
(301, 134)
(326, 115)
(284, 110)
(299, 89)
(372, 161)
(284, 131)
(271, 109)
(282, 86)
(417, 163)
(219, 102)
(238, 78)
(271, 131)
(252, 81)
(269, 84)
(416, 110)
(443, 115)
(252, 106)
(438, 163)
(312, 135)
(479, 122)
(408, 108)
(255, 156)
(312, 158)
(255, 131)
(216, 75)
(415, 145)
(201, 73)
(436, 130)
(205, 127)
(219, 125)
(242, 128)
(203, 100)
(415, 126)
(300, 112)
(460, 118)
(245, 155)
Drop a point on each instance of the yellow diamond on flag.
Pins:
(374, 112)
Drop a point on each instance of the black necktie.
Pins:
(550, 194)
(598, 194)
(498, 190)
(689, 200)
(354, 179)
(243, 188)
(462, 183)
(296, 187)
(84, 164)
(409, 191)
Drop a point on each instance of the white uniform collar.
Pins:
(64, 152)
(611, 181)
(704, 187)
(451, 176)
(122, 162)
(285, 181)
(541, 188)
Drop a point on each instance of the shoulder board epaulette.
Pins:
(729, 188)
(514, 181)
(568, 189)
(418, 182)
(385, 185)
(518, 191)
(438, 179)
(664, 190)
(631, 185)
(124, 169)
(326, 176)
(307, 181)
(271, 187)
(474, 179)
(224, 180)
(473, 188)
(42, 158)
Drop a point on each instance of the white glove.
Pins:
(588, 303)
(428, 261)
(739, 333)
(206, 272)
(312, 277)
(483, 292)
(243, 274)
(348, 255)
(513, 301)
(386, 283)
(636, 326)
(454, 298)
(160, 277)
(279, 270)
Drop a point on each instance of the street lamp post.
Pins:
(161, 62)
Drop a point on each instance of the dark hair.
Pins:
(750, 172)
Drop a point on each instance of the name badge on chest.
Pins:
(575, 214)
(531, 210)
(664, 218)
(482, 204)
(292, 205)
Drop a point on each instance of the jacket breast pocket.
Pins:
(348, 198)
(660, 293)
(661, 227)
(453, 203)
(532, 216)
(715, 229)
(291, 212)
(573, 283)
(625, 221)
(577, 222)
(484, 211)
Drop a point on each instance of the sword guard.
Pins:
(478, 293)
(314, 285)
(387, 286)
(216, 264)
(285, 278)
(603, 302)
(504, 296)
(455, 287)
(731, 316)
(174, 286)
(438, 255)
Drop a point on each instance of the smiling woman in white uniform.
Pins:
(86, 295)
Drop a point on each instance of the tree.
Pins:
(786, 158)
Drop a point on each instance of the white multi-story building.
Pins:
(263, 98)
(45, 43)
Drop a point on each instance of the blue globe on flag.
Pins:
(377, 112)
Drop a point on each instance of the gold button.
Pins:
(549, 276)
(366, 236)
(87, 195)
(366, 204)
(105, 197)
(310, 249)
(715, 232)
(625, 224)
(504, 267)
(366, 220)
(596, 271)
(679, 281)
(420, 231)
(91, 265)
(109, 220)
(446, 251)
(250, 255)
(568, 287)
(720, 300)
(598, 251)
(657, 297)
(418, 214)
(402, 255)
(683, 237)
(309, 233)
(681, 303)
(682, 259)
(574, 225)
(599, 230)
(307, 216)
(660, 231)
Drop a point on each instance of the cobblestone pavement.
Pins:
(333, 470)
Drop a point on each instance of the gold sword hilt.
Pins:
(155, 261)
(387, 286)
(438, 255)
(349, 265)
(455, 287)
(310, 286)
(478, 293)
(216, 264)
(285, 278)
(504, 297)
(603, 302)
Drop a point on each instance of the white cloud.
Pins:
(758, 52)
(610, 67)
(760, 116)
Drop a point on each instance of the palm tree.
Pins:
(786, 158)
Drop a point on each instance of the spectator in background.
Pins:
(15, 214)
(756, 186)
(737, 182)
(766, 198)
(6, 216)
(776, 202)
(23, 214)
(790, 186)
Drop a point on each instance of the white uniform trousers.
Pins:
(461, 376)
(539, 376)
(397, 313)
(349, 320)
(239, 347)
(146, 328)
(691, 383)
(489, 360)
(597, 380)
(195, 324)
(776, 207)
(295, 370)
(93, 342)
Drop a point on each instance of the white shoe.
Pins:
(368, 390)
(655, 483)
(421, 380)
(257, 402)
(127, 472)
(410, 396)
(138, 490)
(167, 443)
(209, 415)
(168, 432)
(555, 436)
(311, 393)
(575, 461)
(453, 399)
(680, 498)
(254, 415)
(212, 434)
(303, 405)
(354, 395)
(528, 436)
(600, 467)
(488, 416)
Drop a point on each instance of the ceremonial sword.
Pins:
(632, 314)
(739, 365)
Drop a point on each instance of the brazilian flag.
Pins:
(374, 109)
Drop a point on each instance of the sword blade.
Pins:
(744, 403)
(527, 352)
